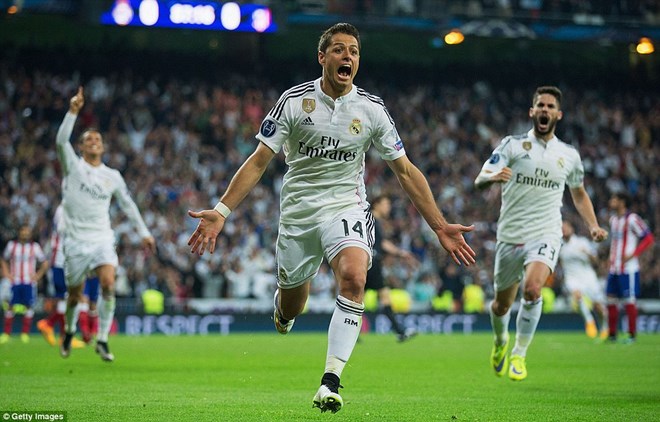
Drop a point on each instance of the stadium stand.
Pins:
(177, 139)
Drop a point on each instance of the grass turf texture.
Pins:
(268, 377)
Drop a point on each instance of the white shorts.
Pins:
(302, 247)
(511, 260)
(82, 257)
(587, 285)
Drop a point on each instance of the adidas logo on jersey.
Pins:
(307, 122)
(526, 157)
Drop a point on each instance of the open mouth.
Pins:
(544, 120)
(344, 71)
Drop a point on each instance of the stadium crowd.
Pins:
(177, 142)
(646, 11)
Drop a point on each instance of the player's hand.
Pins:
(598, 234)
(77, 101)
(451, 238)
(502, 176)
(149, 243)
(209, 227)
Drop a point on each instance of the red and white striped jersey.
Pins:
(625, 232)
(22, 259)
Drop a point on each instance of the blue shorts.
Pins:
(623, 286)
(23, 294)
(58, 282)
(92, 289)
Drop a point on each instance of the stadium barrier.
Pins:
(426, 323)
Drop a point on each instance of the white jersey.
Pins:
(56, 245)
(532, 199)
(325, 142)
(625, 232)
(88, 191)
(574, 258)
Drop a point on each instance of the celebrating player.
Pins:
(56, 317)
(89, 242)
(325, 127)
(533, 169)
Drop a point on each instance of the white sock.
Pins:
(500, 325)
(526, 322)
(71, 318)
(584, 310)
(343, 334)
(82, 307)
(61, 306)
(106, 310)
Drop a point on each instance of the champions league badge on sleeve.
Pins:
(268, 128)
(494, 158)
(399, 145)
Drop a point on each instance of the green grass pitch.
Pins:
(269, 377)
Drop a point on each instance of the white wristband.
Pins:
(222, 209)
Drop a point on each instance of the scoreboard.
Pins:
(204, 15)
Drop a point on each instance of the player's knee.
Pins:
(532, 292)
(500, 308)
(108, 293)
(351, 286)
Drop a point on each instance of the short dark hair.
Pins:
(82, 136)
(552, 90)
(338, 28)
(623, 196)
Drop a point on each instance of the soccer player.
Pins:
(533, 169)
(630, 237)
(380, 208)
(23, 263)
(325, 127)
(47, 325)
(56, 317)
(577, 257)
(89, 186)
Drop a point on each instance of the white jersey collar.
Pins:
(545, 144)
(328, 99)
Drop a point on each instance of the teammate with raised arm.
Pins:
(324, 128)
(89, 240)
(534, 169)
(56, 251)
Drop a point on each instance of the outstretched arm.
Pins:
(211, 221)
(586, 210)
(65, 151)
(128, 206)
(416, 186)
